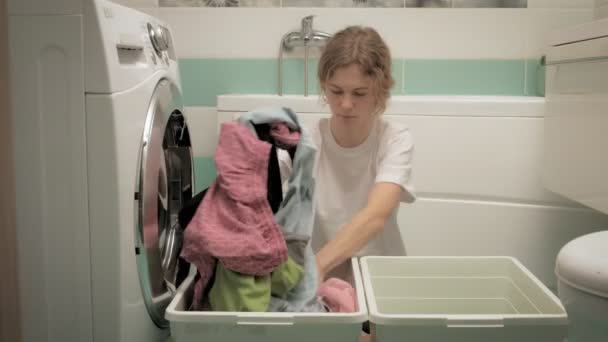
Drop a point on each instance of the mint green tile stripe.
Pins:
(535, 78)
(204, 173)
(464, 77)
(204, 79)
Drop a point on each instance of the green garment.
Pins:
(233, 291)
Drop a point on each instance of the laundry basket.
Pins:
(215, 326)
(459, 299)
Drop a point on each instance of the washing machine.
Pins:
(103, 164)
(140, 171)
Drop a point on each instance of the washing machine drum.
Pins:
(164, 184)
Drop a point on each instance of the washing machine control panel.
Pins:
(159, 37)
(158, 44)
(128, 45)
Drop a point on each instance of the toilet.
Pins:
(576, 166)
(582, 273)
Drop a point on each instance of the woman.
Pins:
(363, 162)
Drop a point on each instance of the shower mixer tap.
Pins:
(306, 37)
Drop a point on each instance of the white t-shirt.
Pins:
(345, 176)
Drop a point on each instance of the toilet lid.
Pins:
(583, 263)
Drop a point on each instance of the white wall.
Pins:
(40, 7)
(601, 9)
(411, 33)
(61, 7)
(560, 3)
(137, 3)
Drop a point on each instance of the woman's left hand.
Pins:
(320, 271)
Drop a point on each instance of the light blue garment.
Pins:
(295, 212)
(270, 115)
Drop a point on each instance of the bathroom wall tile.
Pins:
(259, 3)
(202, 123)
(386, 3)
(467, 3)
(428, 33)
(204, 172)
(342, 3)
(601, 12)
(541, 22)
(489, 3)
(316, 3)
(534, 78)
(293, 77)
(207, 33)
(410, 33)
(560, 3)
(428, 3)
(137, 3)
(153, 11)
(204, 79)
(398, 74)
(37, 7)
(220, 3)
(464, 77)
(202, 119)
(182, 3)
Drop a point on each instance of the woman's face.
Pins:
(350, 96)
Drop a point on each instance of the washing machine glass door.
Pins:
(164, 183)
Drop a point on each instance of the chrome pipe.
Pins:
(280, 71)
(307, 38)
(305, 68)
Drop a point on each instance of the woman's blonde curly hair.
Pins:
(364, 47)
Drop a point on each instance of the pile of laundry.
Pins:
(249, 233)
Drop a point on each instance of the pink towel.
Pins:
(338, 295)
(234, 223)
(284, 135)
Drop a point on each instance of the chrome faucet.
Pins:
(306, 37)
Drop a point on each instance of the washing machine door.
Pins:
(164, 182)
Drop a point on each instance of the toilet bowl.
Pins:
(582, 273)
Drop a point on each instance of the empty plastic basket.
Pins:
(191, 326)
(459, 299)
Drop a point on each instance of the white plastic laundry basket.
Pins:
(216, 326)
(459, 299)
